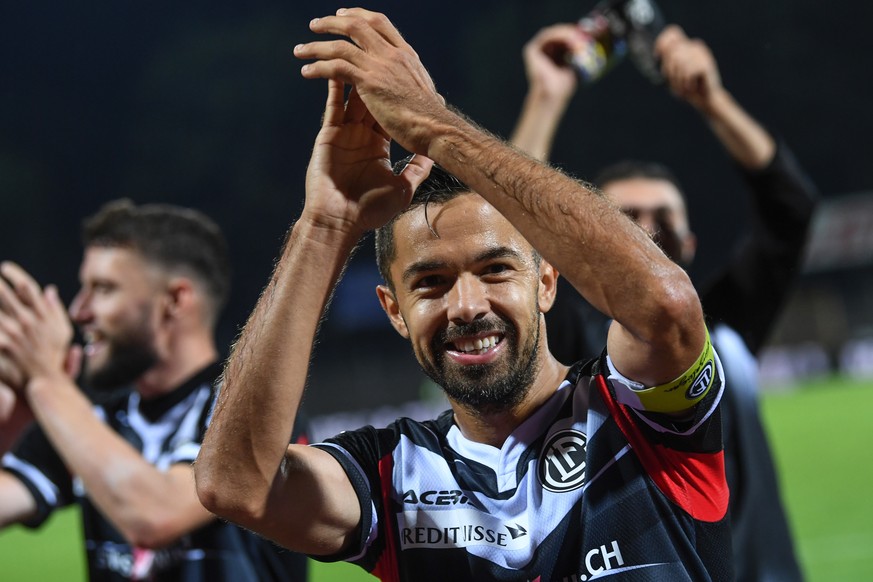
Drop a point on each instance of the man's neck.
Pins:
(173, 371)
(494, 428)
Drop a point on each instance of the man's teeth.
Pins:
(476, 344)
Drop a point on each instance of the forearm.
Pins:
(611, 261)
(241, 456)
(745, 140)
(750, 292)
(540, 116)
(145, 504)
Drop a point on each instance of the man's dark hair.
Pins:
(438, 188)
(173, 238)
(630, 169)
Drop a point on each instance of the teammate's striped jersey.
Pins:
(584, 488)
(165, 430)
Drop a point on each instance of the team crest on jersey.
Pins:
(701, 383)
(562, 461)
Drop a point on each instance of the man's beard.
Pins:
(129, 355)
(486, 388)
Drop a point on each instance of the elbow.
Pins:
(208, 488)
(221, 498)
(152, 534)
(679, 314)
(211, 491)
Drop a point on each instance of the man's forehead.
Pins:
(451, 218)
(465, 224)
(112, 261)
(644, 193)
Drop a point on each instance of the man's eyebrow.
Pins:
(489, 255)
(499, 253)
(421, 267)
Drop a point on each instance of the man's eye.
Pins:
(101, 287)
(429, 281)
(496, 269)
(632, 213)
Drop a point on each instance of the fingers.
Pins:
(7, 402)
(334, 109)
(25, 286)
(687, 64)
(559, 37)
(363, 26)
(11, 335)
(22, 291)
(669, 37)
(326, 50)
(10, 374)
(417, 169)
(73, 362)
(370, 33)
(355, 110)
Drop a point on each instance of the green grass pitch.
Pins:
(822, 437)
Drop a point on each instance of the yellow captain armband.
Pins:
(683, 392)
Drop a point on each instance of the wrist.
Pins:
(717, 105)
(542, 97)
(327, 230)
(44, 386)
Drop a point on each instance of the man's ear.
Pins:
(392, 309)
(548, 286)
(181, 297)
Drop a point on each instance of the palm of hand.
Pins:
(37, 332)
(350, 181)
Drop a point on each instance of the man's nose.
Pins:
(468, 299)
(648, 220)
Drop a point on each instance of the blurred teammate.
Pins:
(153, 281)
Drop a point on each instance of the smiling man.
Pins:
(539, 471)
(153, 280)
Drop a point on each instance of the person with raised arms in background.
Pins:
(742, 300)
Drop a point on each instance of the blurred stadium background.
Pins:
(201, 104)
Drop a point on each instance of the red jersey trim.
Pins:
(386, 568)
(695, 482)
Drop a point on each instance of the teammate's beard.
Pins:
(488, 388)
(129, 354)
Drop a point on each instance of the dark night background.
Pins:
(201, 104)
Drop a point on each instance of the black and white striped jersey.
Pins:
(585, 488)
(166, 430)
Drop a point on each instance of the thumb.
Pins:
(73, 362)
(415, 172)
(668, 38)
(7, 402)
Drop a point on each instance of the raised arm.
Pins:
(296, 495)
(150, 507)
(659, 331)
(551, 85)
(692, 74)
(749, 292)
